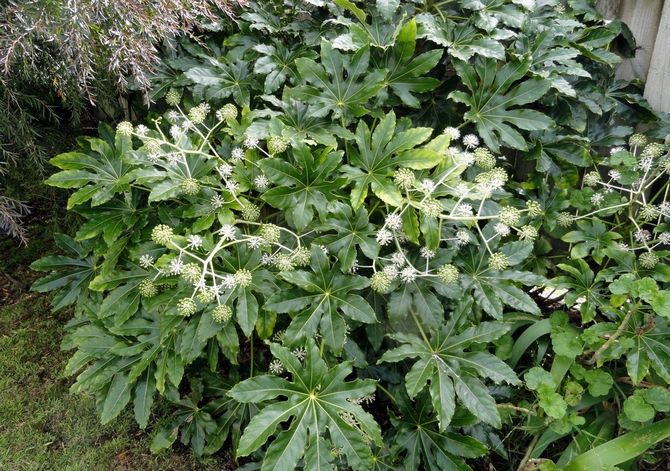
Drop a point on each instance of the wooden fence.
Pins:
(649, 20)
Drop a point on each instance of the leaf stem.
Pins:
(418, 324)
(615, 335)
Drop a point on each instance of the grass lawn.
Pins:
(42, 425)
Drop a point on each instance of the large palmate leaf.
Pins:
(196, 424)
(306, 184)
(323, 412)
(70, 274)
(352, 230)
(463, 41)
(585, 288)
(100, 171)
(406, 74)
(452, 370)
(380, 152)
(418, 435)
(494, 97)
(110, 220)
(298, 124)
(322, 299)
(339, 84)
(277, 63)
(491, 289)
(219, 80)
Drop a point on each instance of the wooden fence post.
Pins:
(657, 90)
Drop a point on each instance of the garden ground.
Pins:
(42, 425)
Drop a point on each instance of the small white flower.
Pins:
(146, 261)
(195, 241)
(384, 237)
(250, 141)
(173, 116)
(176, 132)
(237, 154)
(426, 253)
(394, 221)
(217, 201)
(664, 238)
(623, 246)
(261, 182)
(615, 150)
(254, 242)
(408, 274)
(141, 130)
(462, 238)
(175, 266)
(232, 186)
(642, 235)
(391, 271)
(614, 175)
(299, 353)
(664, 208)
(461, 190)
(463, 210)
(428, 186)
(173, 157)
(597, 199)
(276, 367)
(501, 229)
(453, 133)
(466, 158)
(470, 141)
(398, 259)
(225, 170)
(267, 259)
(228, 282)
(227, 232)
(645, 164)
(496, 183)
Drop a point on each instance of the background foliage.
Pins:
(413, 235)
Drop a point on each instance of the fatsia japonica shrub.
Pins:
(378, 236)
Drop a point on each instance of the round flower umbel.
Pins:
(565, 219)
(124, 128)
(173, 97)
(447, 274)
(186, 307)
(637, 140)
(222, 314)
(484, 158)
(498, 261)
(243, 278)
(404, 178)
(270, 233)
(191, 272)
(162, 234)
(534, 208)
(509, 216)
(648, 260)
(147, 288)
(592, 179)
(190, 186)
(301, 257)
(250, 212)
(227, 113)
(277, 145)
(380, 282)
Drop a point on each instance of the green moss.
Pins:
(42, 425)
